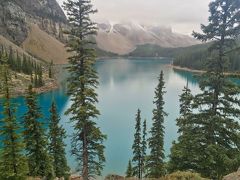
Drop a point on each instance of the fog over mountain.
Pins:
(183, 16)
(122, 38)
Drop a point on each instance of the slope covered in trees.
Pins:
(193, 57)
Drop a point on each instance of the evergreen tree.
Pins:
(57, 134)
(129, 172)
(39, 161)
(3, 63)
(35, 81)
(24, 67)
(13, 163)
(155, 164)
(183, 151)
(144, 147)
(50, 71)
(216, 130)
(11, 58)
(40, 76)
(186, 102)
(137, 150)
(18, 63)
(87, 139)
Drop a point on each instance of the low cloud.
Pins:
(183, 16)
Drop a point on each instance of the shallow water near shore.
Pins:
(125, 86)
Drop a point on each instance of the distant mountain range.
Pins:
(36, 28)
(123, 38)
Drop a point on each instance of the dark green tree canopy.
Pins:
(137, 151)
(39, 160)
(87, 139)
(13, 164)
(155, 162)
(213, 127)
(57, 134)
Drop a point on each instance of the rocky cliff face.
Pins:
(16, 15)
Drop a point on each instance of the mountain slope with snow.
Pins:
(122, 38)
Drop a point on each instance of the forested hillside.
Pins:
(193, 57)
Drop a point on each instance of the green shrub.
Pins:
(183, 176)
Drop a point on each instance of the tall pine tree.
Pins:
(39, 160)
(13, 163)
(57, 134)
(143, 147)
(155, 162)
(183, 151)
(87, 139)
(137, 150)
(216, 130)
(129, 172)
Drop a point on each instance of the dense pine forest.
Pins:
(193, 57)
(208, 145)
(21, 63)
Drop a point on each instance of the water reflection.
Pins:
(125, 86)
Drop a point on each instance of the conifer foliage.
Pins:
(218, 104)
(137, 151)
(57, 135)
(39, 160)
(13, 164)
(184, 150)
(155, 162)
(215, 129)
(87, 139)
(144, 148)
(23, 64)
(129, 172)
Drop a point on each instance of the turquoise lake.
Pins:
(125, 86)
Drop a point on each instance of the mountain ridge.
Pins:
(123, 38)
(20, 19)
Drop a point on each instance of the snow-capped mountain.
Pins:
(122, 38)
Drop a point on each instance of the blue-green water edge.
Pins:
(125, 86)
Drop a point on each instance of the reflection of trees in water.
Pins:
(122, 70)
(192, 78)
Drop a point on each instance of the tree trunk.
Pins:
(85, 156)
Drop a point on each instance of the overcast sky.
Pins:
(183, 16)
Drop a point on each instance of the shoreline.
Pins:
(50, 86)
(186, 69)
(231, 74)
(54, 84)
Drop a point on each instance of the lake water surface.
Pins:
(125, 86)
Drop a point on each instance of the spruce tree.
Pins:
(36, 81)
(39, 160)
(13, 163)
(129, 172)
(216, 130)
(40, 76)
(50, 70)
(87, 139)
(186, 102)
(137, 150)
(57, 134)
(183, 151)
(143, 147)
(3, 63)
(18, 63)
(155, 162)
(11, 58)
